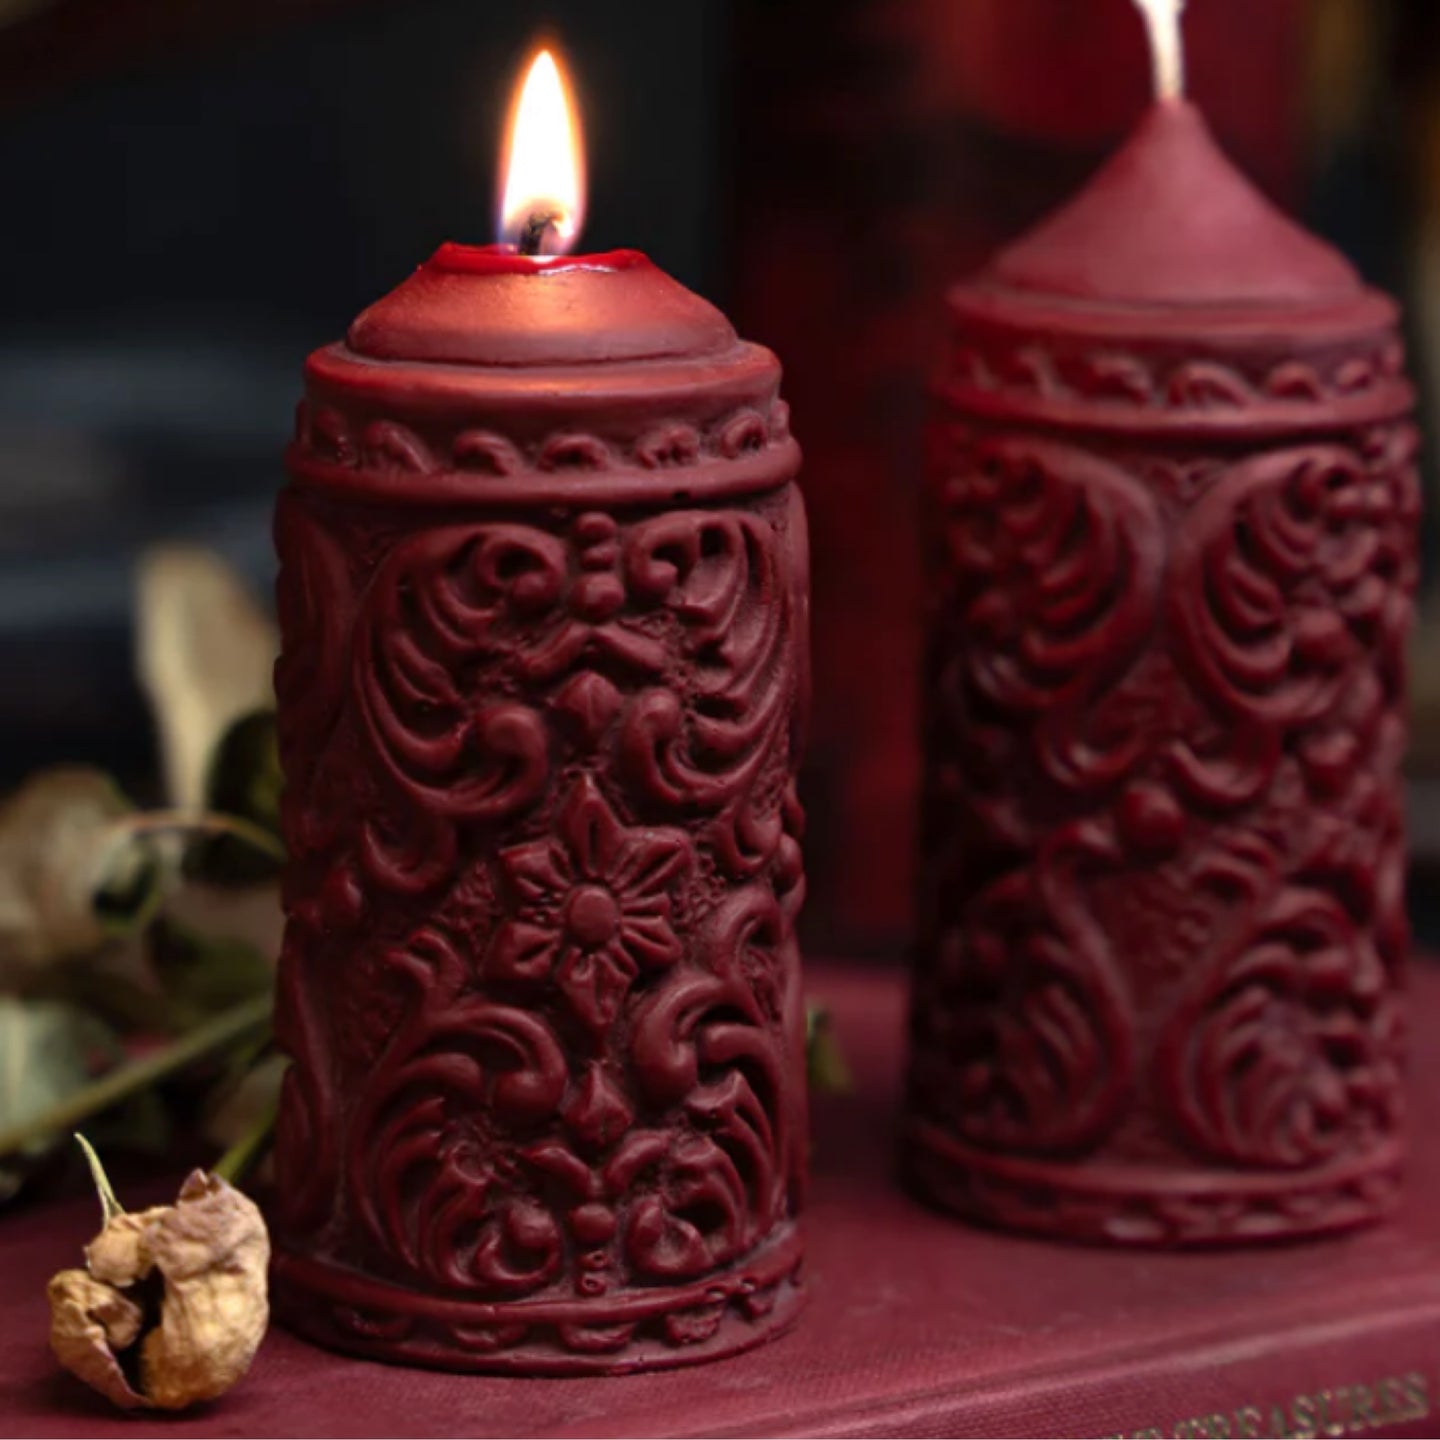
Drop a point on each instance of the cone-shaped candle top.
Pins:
(1170, 221)
(1171, 296)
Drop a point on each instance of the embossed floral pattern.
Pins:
(593, 905)
(559, 882)
(1162, 935)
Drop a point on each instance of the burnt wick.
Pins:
(532, 237)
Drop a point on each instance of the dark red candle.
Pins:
(1173, 515)
(544, 610)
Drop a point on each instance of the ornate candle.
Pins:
(1157, 995)
(544, 609)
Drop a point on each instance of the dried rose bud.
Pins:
(89, 1322)
(173, 1306)
(213, 1251)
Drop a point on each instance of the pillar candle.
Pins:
(1173, 510)
(544, 610)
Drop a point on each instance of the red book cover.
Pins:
(915, 1325)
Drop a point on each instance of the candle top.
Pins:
(1169, 221)
(486, 305)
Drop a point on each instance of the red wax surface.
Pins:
(1173, 526)
(491, 307)
(1170, 221)
(915, 1325)
(544, 608)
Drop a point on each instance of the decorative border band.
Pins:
(1165, 1207)
(720, 1315)
(671, 463)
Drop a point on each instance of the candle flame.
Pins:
(545, 169)
(1167, 50)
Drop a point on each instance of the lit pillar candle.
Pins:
(544, 598)
(1173, 516)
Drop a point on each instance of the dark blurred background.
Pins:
(196, 194)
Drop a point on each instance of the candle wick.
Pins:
(1167, 48)
(532, 237)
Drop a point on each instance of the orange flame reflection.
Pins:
(545, 171)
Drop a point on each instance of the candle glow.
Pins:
(545, 167)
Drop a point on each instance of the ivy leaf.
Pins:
(241, 1121)
(244, 780)
(73, 873)
(48, 1051)
(824, 1061)
(203, 975)
(205, 651)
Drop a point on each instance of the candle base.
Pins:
(1149, 1207)
(646, 1329)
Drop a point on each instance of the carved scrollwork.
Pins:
(314, 598)
(1164, 868)
(1284, 577)
(385, 443)
(721, 578)
(438, 606)
(305, 1140)
(1159, 381)
(1024, 1032)
(1052, 582)
(1291, 1056)
(432, 1151)
(561, 877)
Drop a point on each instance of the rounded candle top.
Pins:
(536, 378)
(1170, 221)
(488, 305)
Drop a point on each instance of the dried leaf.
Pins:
(72, 875)
(247, 1104)
(205, 653)
(209, 1254)
(47, 1052)
(203, 975)
(89, 1323)
(824, 1061)
(245, 777)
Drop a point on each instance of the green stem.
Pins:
(110, 1207)
(235, 1163)
(136, 1075)
(200, 822)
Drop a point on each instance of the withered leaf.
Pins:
(47, 1051)
(203, 975)
(245, 1105)
(245, 780)
(72, 875)
(205, 653)
(207, 1256)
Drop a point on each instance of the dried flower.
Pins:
(172, 1307)
(89, 1323)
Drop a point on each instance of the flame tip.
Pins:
(545, 166)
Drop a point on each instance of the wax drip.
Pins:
(532, 237)
(1167, 50)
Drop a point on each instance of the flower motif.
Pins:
(591, 905)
